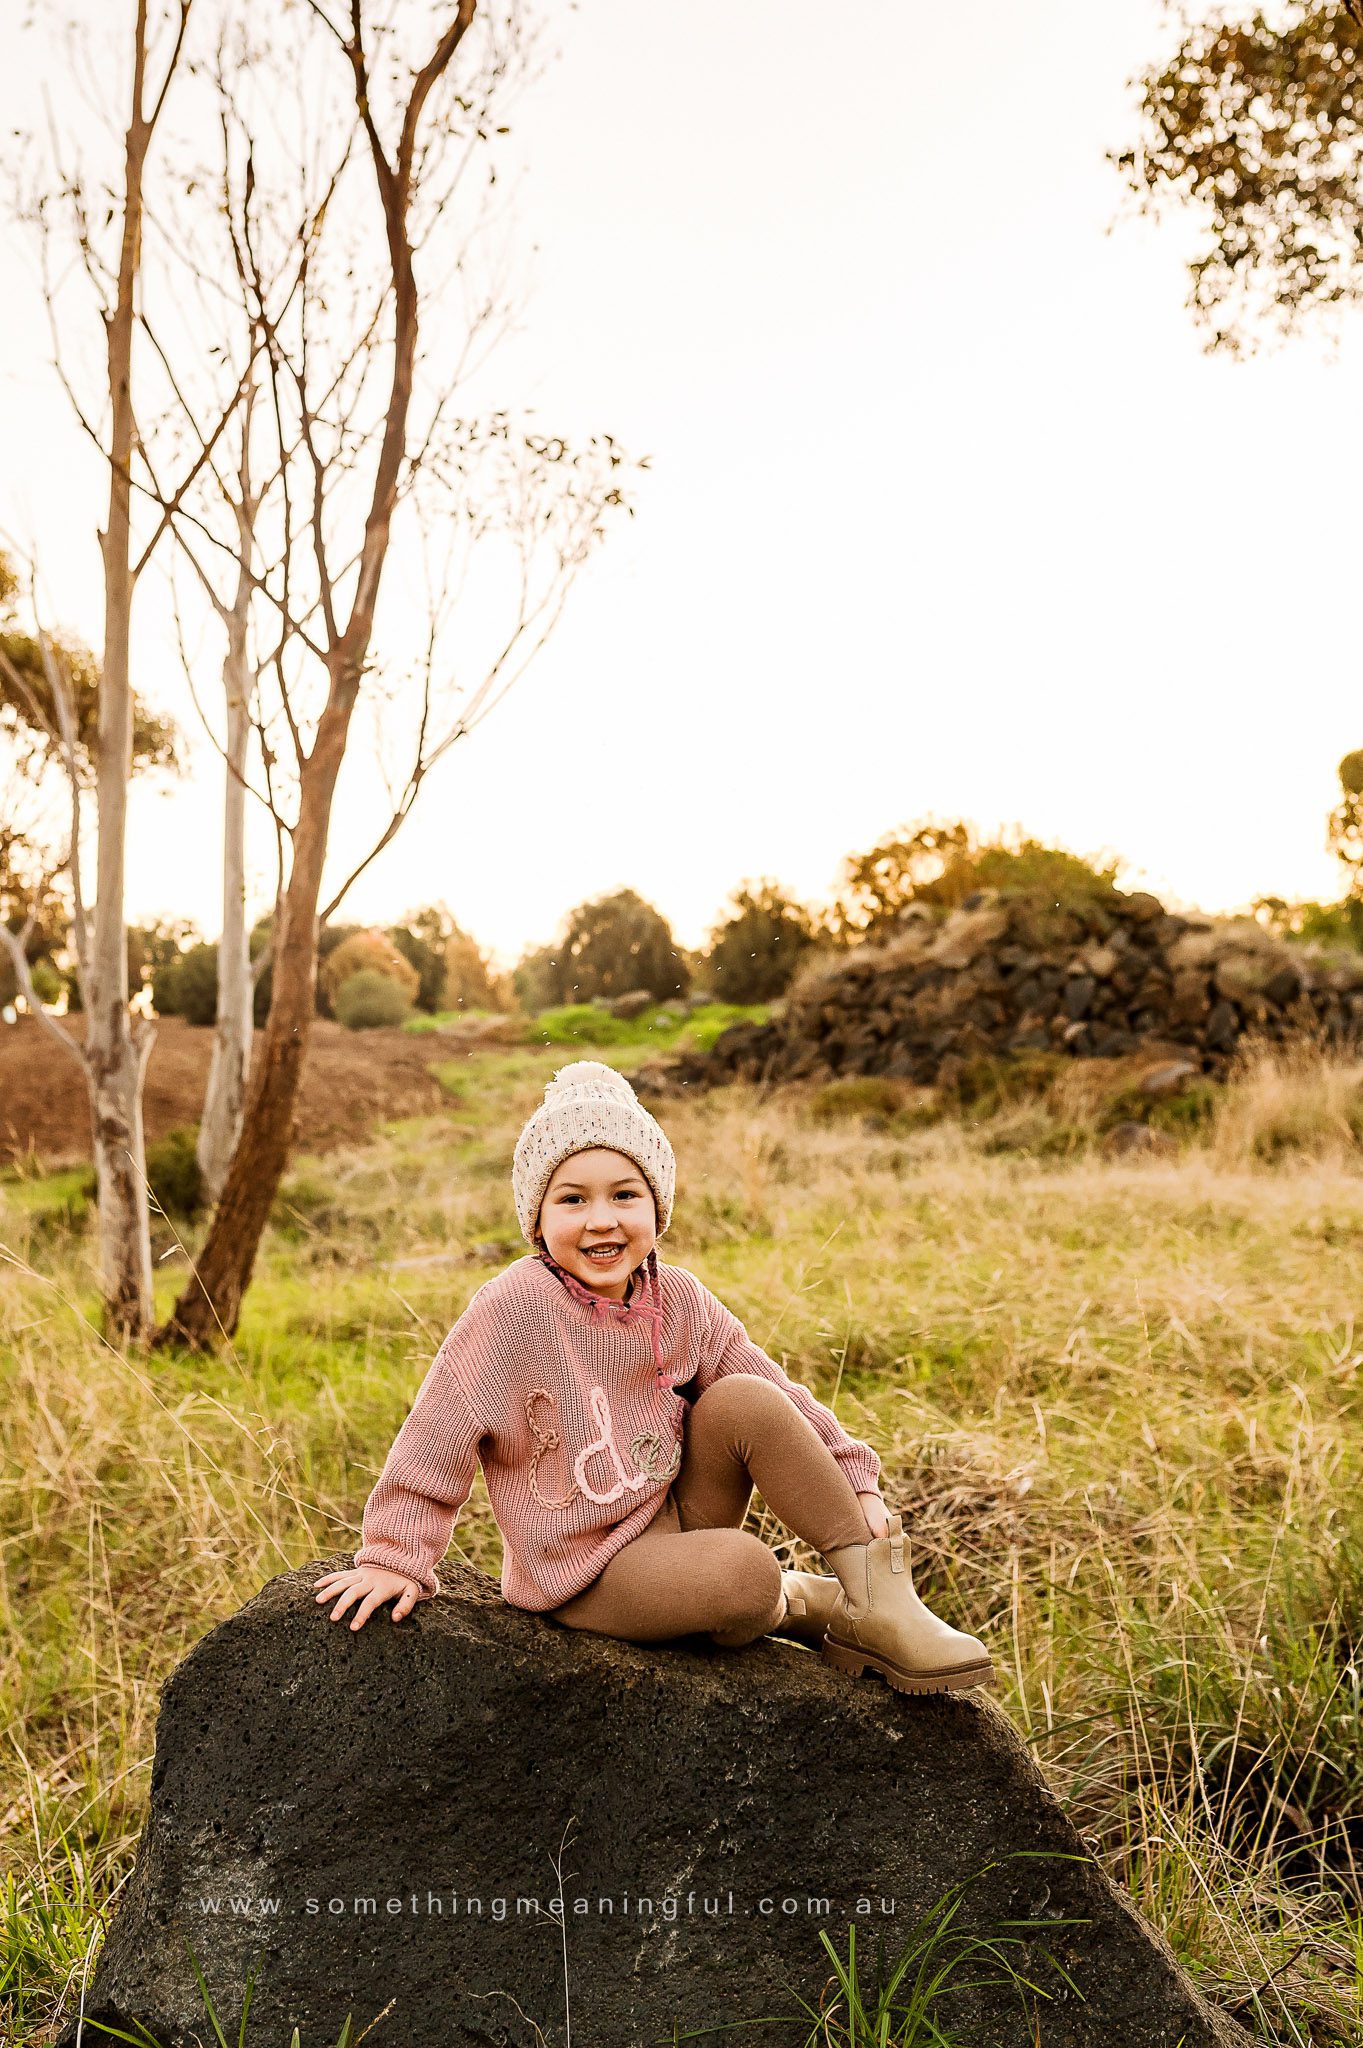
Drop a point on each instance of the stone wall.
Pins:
(1005, 976)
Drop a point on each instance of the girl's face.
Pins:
(598, 1219)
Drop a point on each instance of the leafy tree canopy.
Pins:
(755, 949)
(365, 952)
(940, 864)
(609, 946)
(422, 939)
(537, 980)
(28, 711)
(185, 984)
(1324, 924)
(1256, 121)
(471, 982)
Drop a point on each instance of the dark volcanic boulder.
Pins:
(373, 1819)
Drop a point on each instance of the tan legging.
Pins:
(695, 1569)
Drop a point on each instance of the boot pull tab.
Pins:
(896, 1528)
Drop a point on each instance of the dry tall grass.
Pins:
(1120, 1404)
(1291, 1102)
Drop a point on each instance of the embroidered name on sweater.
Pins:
(653, 1463)
(521, 1334)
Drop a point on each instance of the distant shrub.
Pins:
(986, 1084)
(537, 980)
(173, 1174)
(186, 985)
(1323, 924)
(421, 942)
(471, 982)
(47, 983)
(1030, 1130)
(329, 938)
(756, 948)
(366, 953)
(370, 1001)
(856, 1095)
(608, 947)
(1193, 1109)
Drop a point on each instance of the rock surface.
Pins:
(1007, 975)
(423, 1766)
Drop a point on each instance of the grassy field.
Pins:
(1118, 1401)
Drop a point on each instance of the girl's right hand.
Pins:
(371, 1585)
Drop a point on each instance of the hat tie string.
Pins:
(646, 1307)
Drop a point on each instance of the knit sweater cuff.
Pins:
(862, 1467)
(390, 1559)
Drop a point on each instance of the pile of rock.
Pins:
(635, 1001)
(1010, 975)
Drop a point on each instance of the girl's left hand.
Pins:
(873, 1508)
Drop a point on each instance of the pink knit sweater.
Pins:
(578, 1435)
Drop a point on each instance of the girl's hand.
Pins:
(371, 1584)
(873, 1508)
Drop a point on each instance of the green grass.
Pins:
(869, 2004)
(445, 1020)
(902, 2008)
(587, 1024)
(1119, 1405)
(67, 1194)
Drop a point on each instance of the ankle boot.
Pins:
(809, 1607)
(884, 1624)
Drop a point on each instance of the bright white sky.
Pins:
(948, 512)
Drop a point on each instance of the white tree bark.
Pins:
(115, 1062)
(115, 1075)
(225, 1099)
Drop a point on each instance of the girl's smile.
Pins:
(599, 1219)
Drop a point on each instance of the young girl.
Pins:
(622, 1417)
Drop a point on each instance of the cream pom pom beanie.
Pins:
(589, 1104)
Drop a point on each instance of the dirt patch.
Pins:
(351, 1081)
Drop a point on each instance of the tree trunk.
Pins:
(114, 1078)
(211, 1303)
(116, 1068)
(225, 1100)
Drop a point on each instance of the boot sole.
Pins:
(843, 1657)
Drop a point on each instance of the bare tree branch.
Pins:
(15, 944)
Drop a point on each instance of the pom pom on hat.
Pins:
(588, 1077)
(587, 1103)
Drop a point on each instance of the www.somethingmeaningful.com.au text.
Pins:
(498, 1907)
